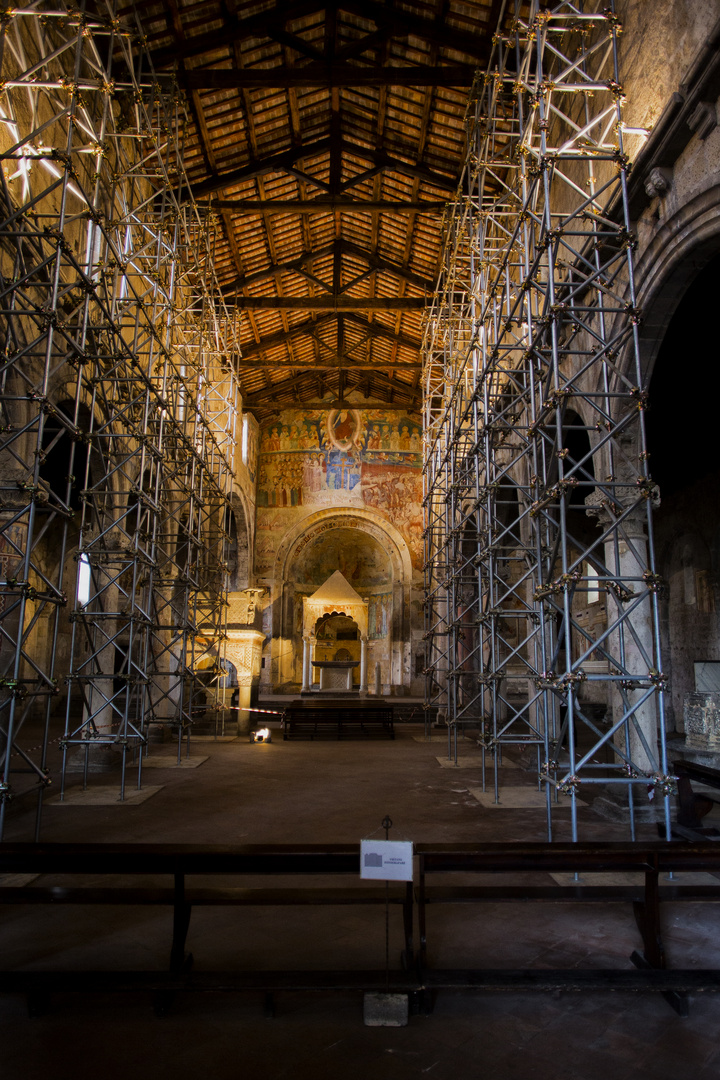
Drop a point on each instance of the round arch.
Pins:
(310, 528)
(679, 251)
(286, 618)
(241, 575)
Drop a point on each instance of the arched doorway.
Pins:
(684, 463)
(338, 638)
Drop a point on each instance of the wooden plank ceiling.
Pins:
(328, 139)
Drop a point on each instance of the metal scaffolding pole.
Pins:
(119, 404)
(541, 591)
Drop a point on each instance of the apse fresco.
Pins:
(360, 558)
(310, 460)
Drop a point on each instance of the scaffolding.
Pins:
(541, 596)
(119, 406)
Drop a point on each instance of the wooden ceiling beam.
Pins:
(337, 302)
(272, 21)
(332, 403)
(401, 22)
(311, 326)
(281, 337)
(328, 206)
(261, 166)
(337, 249)
(415, 170)
(289, 365)
(376, 329)
(376, 262)
(327, 75)
(269, 397)
(235, 30)
(286, 159)
(292, 266)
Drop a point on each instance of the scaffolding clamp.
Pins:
(654, 582)
(549, 766)
(569, 785)
(662, 784)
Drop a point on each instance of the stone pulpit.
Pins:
(244, 648)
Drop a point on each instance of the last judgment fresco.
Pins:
(339, 457)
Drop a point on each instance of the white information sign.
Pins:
(386, 860)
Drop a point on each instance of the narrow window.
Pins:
(593, 589)
(83, 580)
(244, 444)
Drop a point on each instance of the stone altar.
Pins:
(341, 669)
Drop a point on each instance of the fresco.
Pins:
(312, 460)
(359, 557)
(379, 614)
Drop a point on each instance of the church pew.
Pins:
(651, 860)
(340, 720)
(692, 806)
(178, 861)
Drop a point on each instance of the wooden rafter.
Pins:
(270, 24)
(335, 302)
(337, 249)
(286, 160)
(329, 206)
(327, 135)
(327, 75)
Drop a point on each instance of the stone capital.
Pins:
(606, 510)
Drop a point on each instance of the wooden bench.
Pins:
(309, 721)
(650, 860)
(694, 805)
(177, 861)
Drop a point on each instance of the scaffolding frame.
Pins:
(119, 402)
(534, 425)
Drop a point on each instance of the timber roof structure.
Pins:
(328, 138)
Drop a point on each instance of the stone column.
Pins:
(311, 669)
(363, 665)
(306, 665)
(632, 643)
(633, 563)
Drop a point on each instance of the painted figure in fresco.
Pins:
(385, 438)
(343, 428)
(394, 440)
(415, 441)
(373, 442)
(404, 440)
(262, 494)
(313, 472)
